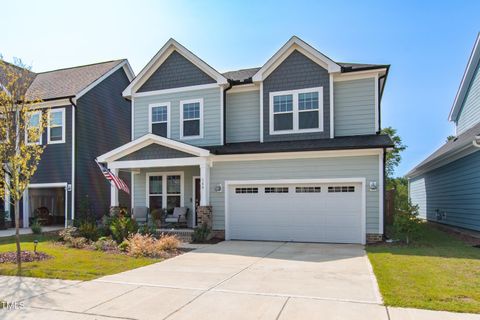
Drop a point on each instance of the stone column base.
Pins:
(205, 215)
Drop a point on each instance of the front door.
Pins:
(197, 197)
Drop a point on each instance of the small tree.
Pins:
(22, 122)
(406, 222)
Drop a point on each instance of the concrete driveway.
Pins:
(230, 280)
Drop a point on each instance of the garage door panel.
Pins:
(303, 214)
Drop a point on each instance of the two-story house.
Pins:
(289, 151)
(87, 116)
(446, 185)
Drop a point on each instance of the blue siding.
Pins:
(243, 116)
(453, 189)
(470, 113)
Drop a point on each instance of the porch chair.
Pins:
(179, 216)
(140, 214)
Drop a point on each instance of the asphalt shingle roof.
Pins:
(352, 142)
(451, 146)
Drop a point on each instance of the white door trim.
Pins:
(362, 181)
(26, 214)
(193, 199)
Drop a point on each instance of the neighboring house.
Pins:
(88, 116)
(446, 185)
(287, 151)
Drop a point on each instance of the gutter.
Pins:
(380, 97)
(476, 142)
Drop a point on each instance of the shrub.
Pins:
(167, 243)
(202, 233)
(406, 222)
(105, 244)
(139, 245)
(78, 242)
(89, 230)
(67, 234)
(146, 229)
(123, 246)
(122, 227)
(36, 227)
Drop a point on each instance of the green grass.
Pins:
(67, 263)
(437, 272)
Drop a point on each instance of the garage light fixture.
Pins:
(373, 185)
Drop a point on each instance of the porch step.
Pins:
(184, 235)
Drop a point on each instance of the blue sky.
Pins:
(426, 42)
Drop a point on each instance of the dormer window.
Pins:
(191, 119)
(296, 111)
(159, 119)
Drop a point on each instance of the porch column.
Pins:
(204, 184)
(113, 191)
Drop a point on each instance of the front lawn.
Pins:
(438, 272)
(68, 263)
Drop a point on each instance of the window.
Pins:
(308, 189)
(33, 127)
(276, 189)
(191, 119)
(159, 119)
(341, 189)
(296, 111)
(164, 190)
(246, 190)
(56, 126)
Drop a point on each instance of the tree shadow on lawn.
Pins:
(432, 242)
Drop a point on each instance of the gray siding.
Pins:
(470, 113)
(155, 151)
(453, 189)
(102, 124)
(176, 71)
(211, 109)
(354, 107)
(297, 72)
(56, 161)
(243, 116)
(339, 167)
(140, 186)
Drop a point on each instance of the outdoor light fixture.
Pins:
(218, 188)
(35, 243)
(373, 185)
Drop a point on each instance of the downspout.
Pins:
(74, 108)
(384, 188)
(380, 100)
(225, 111)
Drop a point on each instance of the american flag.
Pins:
(110, 176)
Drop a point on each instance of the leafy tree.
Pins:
(393, 156)
(400, 184)
(406, 222)
(22, 120)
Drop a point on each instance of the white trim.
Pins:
(381, 194)
(170, 46)
(132, 135)
(176, 90)
(261, 111)
(26, 213)
(463, 88)
(6, 204)
(193, 199)
(51, 104)
(332, 109)
(244, 88)
(296, 155)
(358, 75)
(64, 124)
(295, 111)
(146, 140)
(295, 43)
(150, 122)
(164, 186)
(74, 108)
(40, 140)
(128, 71)
(229, 183)
(175, 162)
(377, 97)
(222, 107)
(182, 103)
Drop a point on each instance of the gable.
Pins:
(155, 151)
(176, 71)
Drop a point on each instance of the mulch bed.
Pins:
(26, 256)
(459, 234)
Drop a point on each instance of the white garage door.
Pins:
(296, 212)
